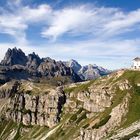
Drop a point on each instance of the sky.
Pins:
(101, 32)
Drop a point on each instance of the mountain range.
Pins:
(87, 72)
(16, 65)
(42, 99)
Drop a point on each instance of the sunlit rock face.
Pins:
(105, 108)
(87, 72)
(41, 109)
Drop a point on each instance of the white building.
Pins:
(136, 63)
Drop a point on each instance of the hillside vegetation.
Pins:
(107, 108)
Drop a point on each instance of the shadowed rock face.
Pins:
(33, 61)
(16, 65)
(9, 89)
(14, 57)
(52, 68)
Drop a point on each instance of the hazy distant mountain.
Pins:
(74, 65)
(87, 72)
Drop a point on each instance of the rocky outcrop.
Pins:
(99, 99)
(135, 138)
(116, 114)
(94, 100)
(8, 89)
(122, 133)
(33, 61)
(52, 68)
(106, 108)
(124, 85)
(43, 110)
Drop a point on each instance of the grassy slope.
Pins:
(72, 122)
(134, 108)
(134, 104)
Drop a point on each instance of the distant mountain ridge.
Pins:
(87, 72)
(16, 65)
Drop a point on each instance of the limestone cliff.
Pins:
(30, 108)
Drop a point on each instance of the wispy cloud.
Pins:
(16, 19)
(71, 20)
(96, 21)
(75, 21)
(110, 54)
(123, 22)
(100, 25)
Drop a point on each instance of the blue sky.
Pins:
(102, 32)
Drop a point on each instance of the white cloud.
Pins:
(93, 21)
(96, 21)
(110, 54)
(12, 25)
(99, 24)
(38, 14)
(16, 20)
(68, 20)
(124, 22)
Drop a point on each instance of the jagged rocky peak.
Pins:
(13, 57)
(51, 67)
(87, 72)
(74, 65)
(33, 56)
(33, 61)
(92, 71)
(16, 65)
(32, 66)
